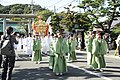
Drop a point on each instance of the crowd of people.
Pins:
(56, 46)
(96, 49)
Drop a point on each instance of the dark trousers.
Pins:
(0, 60)
(8, 65)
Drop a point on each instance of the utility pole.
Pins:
(32, 6)
(54, 9)
(32, 9)
(29, 19)
(79, 4)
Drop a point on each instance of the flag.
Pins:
(48, 21)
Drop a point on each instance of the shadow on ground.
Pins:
(108, 72)
(44, 73)
(81, 54)
(114, 67)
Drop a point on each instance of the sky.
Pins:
(49, 4)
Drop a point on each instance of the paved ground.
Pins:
(25, 69)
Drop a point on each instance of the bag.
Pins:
(5, 47)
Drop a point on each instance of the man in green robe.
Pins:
(52, 52)
(88, 43)
(61, 49)
(37, 57)
(72, 42)
(99, 50)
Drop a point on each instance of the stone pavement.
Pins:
(25, 69)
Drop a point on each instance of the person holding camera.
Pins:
(9, 60)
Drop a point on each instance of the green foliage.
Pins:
(83, 21)
(45, 14)
(17, 9)
(20, 9)
(5, 10)
(25, 9)
(96, 9)
(73, 20)
(67, 19)
(70, 21)
(116, 30)
(55, 23)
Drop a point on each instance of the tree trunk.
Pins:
(112, 16)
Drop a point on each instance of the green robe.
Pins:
(99, 50)
(52, 53)
(60, 61)
(88, 43)
(72, 47)
(37, 48)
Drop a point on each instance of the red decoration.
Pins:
(40, 27)
(46, 32)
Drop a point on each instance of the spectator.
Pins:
(9, 60)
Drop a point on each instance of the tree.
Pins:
(73, 20)
(17, 9)
(116, 29)
(83, 21)
(45, 14)
(96, 9)
(20, 9)
(68, 19)
(5, 10)
(1, 7)
(55, 23)
(27, 9)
